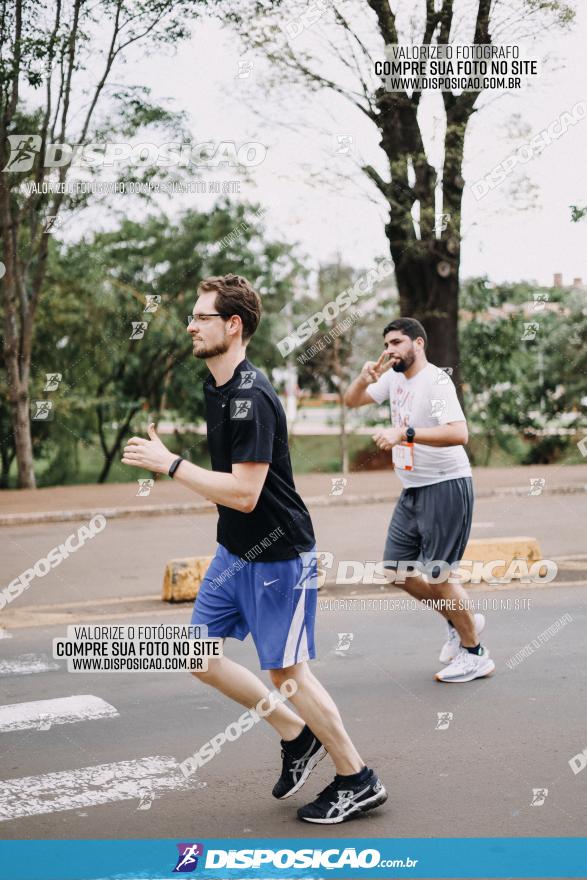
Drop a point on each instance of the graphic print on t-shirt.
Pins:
(402, 401)
(426, 400)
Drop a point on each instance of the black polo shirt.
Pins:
(246, 422)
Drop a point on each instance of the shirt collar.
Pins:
(244, 365)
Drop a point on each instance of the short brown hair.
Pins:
(409, 327)
(235, 296)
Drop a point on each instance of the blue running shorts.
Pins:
(274, 601)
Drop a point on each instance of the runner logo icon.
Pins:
(187, 859)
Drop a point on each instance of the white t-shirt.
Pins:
(426, 400)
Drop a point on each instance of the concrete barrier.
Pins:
(183, 577)
(488, 549)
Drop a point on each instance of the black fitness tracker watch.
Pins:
(174, 465)
(410, 434)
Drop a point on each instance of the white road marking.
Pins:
(91, 786)
(63, 710)
(4, 634)
(483, 525)
(27, 664)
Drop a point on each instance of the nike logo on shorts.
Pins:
(266, 583)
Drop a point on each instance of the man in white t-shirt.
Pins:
(431, 523)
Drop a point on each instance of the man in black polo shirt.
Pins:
(262, 579)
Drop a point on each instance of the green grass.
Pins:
(309, 454)
(321, 454)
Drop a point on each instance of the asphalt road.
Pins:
(472, 776)
(508, 735)
(128, 557)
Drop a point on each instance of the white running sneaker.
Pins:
(450, 649)
(466, 667)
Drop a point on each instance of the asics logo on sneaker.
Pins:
(298, 766)
(345, 799)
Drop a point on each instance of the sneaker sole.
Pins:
(375, 801)
(489, 671)
(315, 759)
(443, 658)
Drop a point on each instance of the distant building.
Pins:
(557, 281)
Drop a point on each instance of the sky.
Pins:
(507, 240)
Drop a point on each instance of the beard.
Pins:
(404, 363)
(211, 351)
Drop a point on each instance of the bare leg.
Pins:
(456, 611)
(419, 589)
(321, 714)
(243, 686)
(456, 602)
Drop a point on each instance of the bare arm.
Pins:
(239, 490)
(356, 394)
(451, 434)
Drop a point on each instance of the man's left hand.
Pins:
(152, 454)
(387, 438)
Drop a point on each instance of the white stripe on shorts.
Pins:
(295, 627)
(303, 653)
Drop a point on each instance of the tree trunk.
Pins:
(7, 458)
(344, 437)
(426, 266)
(433, 300)
(108, 459)
(110, 454)
(23, 441)
(16, 342)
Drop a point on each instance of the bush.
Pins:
(547, 450)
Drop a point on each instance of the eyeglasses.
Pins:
(202, 318)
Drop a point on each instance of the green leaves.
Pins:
(523, 359)
(97, 292)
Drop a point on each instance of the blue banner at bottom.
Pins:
(289, 858)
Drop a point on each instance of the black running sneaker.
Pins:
(342, 800)
(297, 768)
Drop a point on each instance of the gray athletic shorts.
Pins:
(431, 523)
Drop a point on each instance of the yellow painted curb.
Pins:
(183, 577)
(507, 549)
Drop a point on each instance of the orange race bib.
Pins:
(403, 456)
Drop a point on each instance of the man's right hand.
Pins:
(372, 370)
